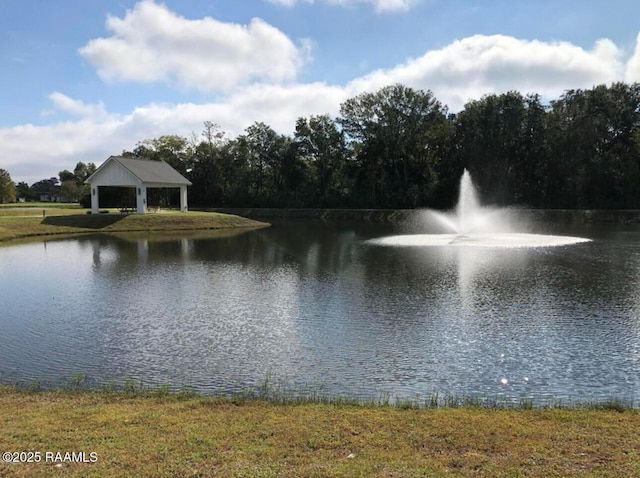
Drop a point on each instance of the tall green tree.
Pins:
(24, 191)
(70, 191)
(594, 140)
(320, 145)
(490, 132)
(7, 187)
(531, 173)
(66, 175)
(83, 170)
(263, 151)
(72, 186)
(213, 174)
(175, 150)
(395, 134)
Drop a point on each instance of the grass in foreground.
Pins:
(182, 435)
(25, 222)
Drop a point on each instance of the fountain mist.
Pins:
(473, 225)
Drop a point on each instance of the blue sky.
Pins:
(84, 79)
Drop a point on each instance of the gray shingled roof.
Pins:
(149, 171)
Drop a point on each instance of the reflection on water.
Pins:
(314, 304)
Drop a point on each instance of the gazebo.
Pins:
(136, 173)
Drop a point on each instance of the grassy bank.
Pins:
(27, 222)
(170, 435)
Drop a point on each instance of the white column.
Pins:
(95, 201)
(141, 201)
(183, 199)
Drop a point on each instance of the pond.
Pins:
(318, 306)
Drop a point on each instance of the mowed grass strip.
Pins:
(204, 436)
(68, 221)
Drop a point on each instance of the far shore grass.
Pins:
(166, 435)
(44, 220)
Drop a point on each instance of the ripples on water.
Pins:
(317, 306)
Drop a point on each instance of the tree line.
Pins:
(400, 148)
(66, 187)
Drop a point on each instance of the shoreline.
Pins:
(279, 392)
(570, 216)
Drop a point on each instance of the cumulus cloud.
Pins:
(471, 67)
(152, 43)
(393, 5)
(632, 73)
(77, 107)
(380, 6)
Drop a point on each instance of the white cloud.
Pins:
(632, 73)
(393, 5)
(289, 3)
(380, 6)
(151, 44)
(477, 65)
(77, 107)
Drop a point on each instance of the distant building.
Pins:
(51, 195)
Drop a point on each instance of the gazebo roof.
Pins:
(146, 171)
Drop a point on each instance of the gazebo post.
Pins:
(183, 199)
(95, 200)
(141, 202)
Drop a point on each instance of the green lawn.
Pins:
(40, 205)
(166, 436)
(16, 223)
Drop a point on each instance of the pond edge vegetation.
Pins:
(277, 391)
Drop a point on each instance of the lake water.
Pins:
(316, 306)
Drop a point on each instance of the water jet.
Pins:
(473, 225)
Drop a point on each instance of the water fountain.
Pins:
(472, 225)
